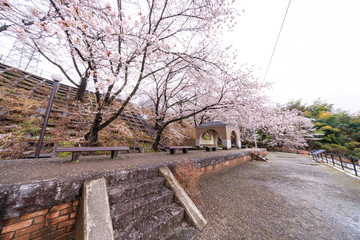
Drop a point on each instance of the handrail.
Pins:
(343, 162)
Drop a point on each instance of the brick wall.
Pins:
(55, 223)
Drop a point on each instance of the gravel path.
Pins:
(290, 197)
(26, 170)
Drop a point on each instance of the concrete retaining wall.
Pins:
(30, 199)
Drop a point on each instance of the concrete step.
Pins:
(182, 231)
(155, 227)
(126, 213)
(134, 174)
(135, 189)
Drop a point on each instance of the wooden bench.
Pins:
(210, 148)
(185, 149)
(76, 151)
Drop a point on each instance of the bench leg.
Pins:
(207, 149)
(185, 150)
(75, 156)
(172, 151)
(114, 154)
(214, 149)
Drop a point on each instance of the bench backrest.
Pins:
(179, 147)
(90, 149)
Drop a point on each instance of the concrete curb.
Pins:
(191, 210)
(258, 157)
(94, 220)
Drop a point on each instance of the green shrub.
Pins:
(29, 126)
(66, 144)
(63, 154)
(335, 148)
(149, 149)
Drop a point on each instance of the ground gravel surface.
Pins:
(26, 170)
(290, 197)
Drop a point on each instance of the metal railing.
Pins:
(346, 164)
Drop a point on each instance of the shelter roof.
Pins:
(214, 124)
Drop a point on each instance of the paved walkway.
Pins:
(17, 171)
(291, 197)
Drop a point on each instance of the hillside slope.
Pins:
(23, 102)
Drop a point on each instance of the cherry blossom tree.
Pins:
(284, 128)
(245, 98)
(185, 89)
(273, 126)
(198, 88)
(114, 44)
(276, 127)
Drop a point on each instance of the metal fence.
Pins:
(346, 164)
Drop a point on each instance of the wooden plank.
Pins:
(90, 149)
(185, 149)
(179, 147)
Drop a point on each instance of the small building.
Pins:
(215, 133)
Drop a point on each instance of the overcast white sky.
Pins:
(318, 54)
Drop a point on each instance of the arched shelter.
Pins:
(208, 133)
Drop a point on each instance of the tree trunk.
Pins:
(92, 136)
(81, 90)
(158, 124)
(158, 138)
(159, 129)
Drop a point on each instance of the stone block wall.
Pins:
(56, 223)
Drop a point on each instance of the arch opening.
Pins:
(234, 140)
(210, 137)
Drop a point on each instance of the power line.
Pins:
(277, 40)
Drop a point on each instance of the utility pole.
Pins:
(56, 78)
(254, 134)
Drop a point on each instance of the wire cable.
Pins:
(277, 40)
